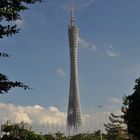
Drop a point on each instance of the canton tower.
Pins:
(74, 112)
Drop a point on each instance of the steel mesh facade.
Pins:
(74, 112)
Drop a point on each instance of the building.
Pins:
(74, 111)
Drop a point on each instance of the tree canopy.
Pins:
(115, 128)
(23, 131)
(9, 12)
(20, 131)
(131, 111)
(6, 85)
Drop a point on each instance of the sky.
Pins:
(108, 57)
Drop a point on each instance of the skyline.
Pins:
(108, 54)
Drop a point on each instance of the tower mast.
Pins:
(72, 13)
(74, 111)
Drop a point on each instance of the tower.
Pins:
(74, 112)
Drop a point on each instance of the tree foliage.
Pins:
(59, 136)
(20, 131)
(2, 54)
(23, 131)
(88, 136)
(131, 111)
(115, 128)
(6, 85)
(49, 136)
(9, 12)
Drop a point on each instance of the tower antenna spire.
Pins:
(72, 11)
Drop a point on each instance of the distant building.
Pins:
(74, 112)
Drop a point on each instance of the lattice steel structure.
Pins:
(74, 112)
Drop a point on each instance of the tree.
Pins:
(6, 85)
(49, 136)
(115, 128)
(9, 13)
(2, 54)
(88, 136)
(20, 131)
(59, 136)
(131, 111)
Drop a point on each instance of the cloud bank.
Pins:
(49, 119)
(33, 115)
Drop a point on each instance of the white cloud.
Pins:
(60, 72)
(31, 114)
(36, 115)
(38, 107)
(110, 53)
(114, 100)
(21, 116)
(50, 119)
(84, 44)
(53, 109)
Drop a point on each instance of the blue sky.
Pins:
(109, 51)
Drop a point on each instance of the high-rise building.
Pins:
(74, 111)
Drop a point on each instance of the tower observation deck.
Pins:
(74, 111)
